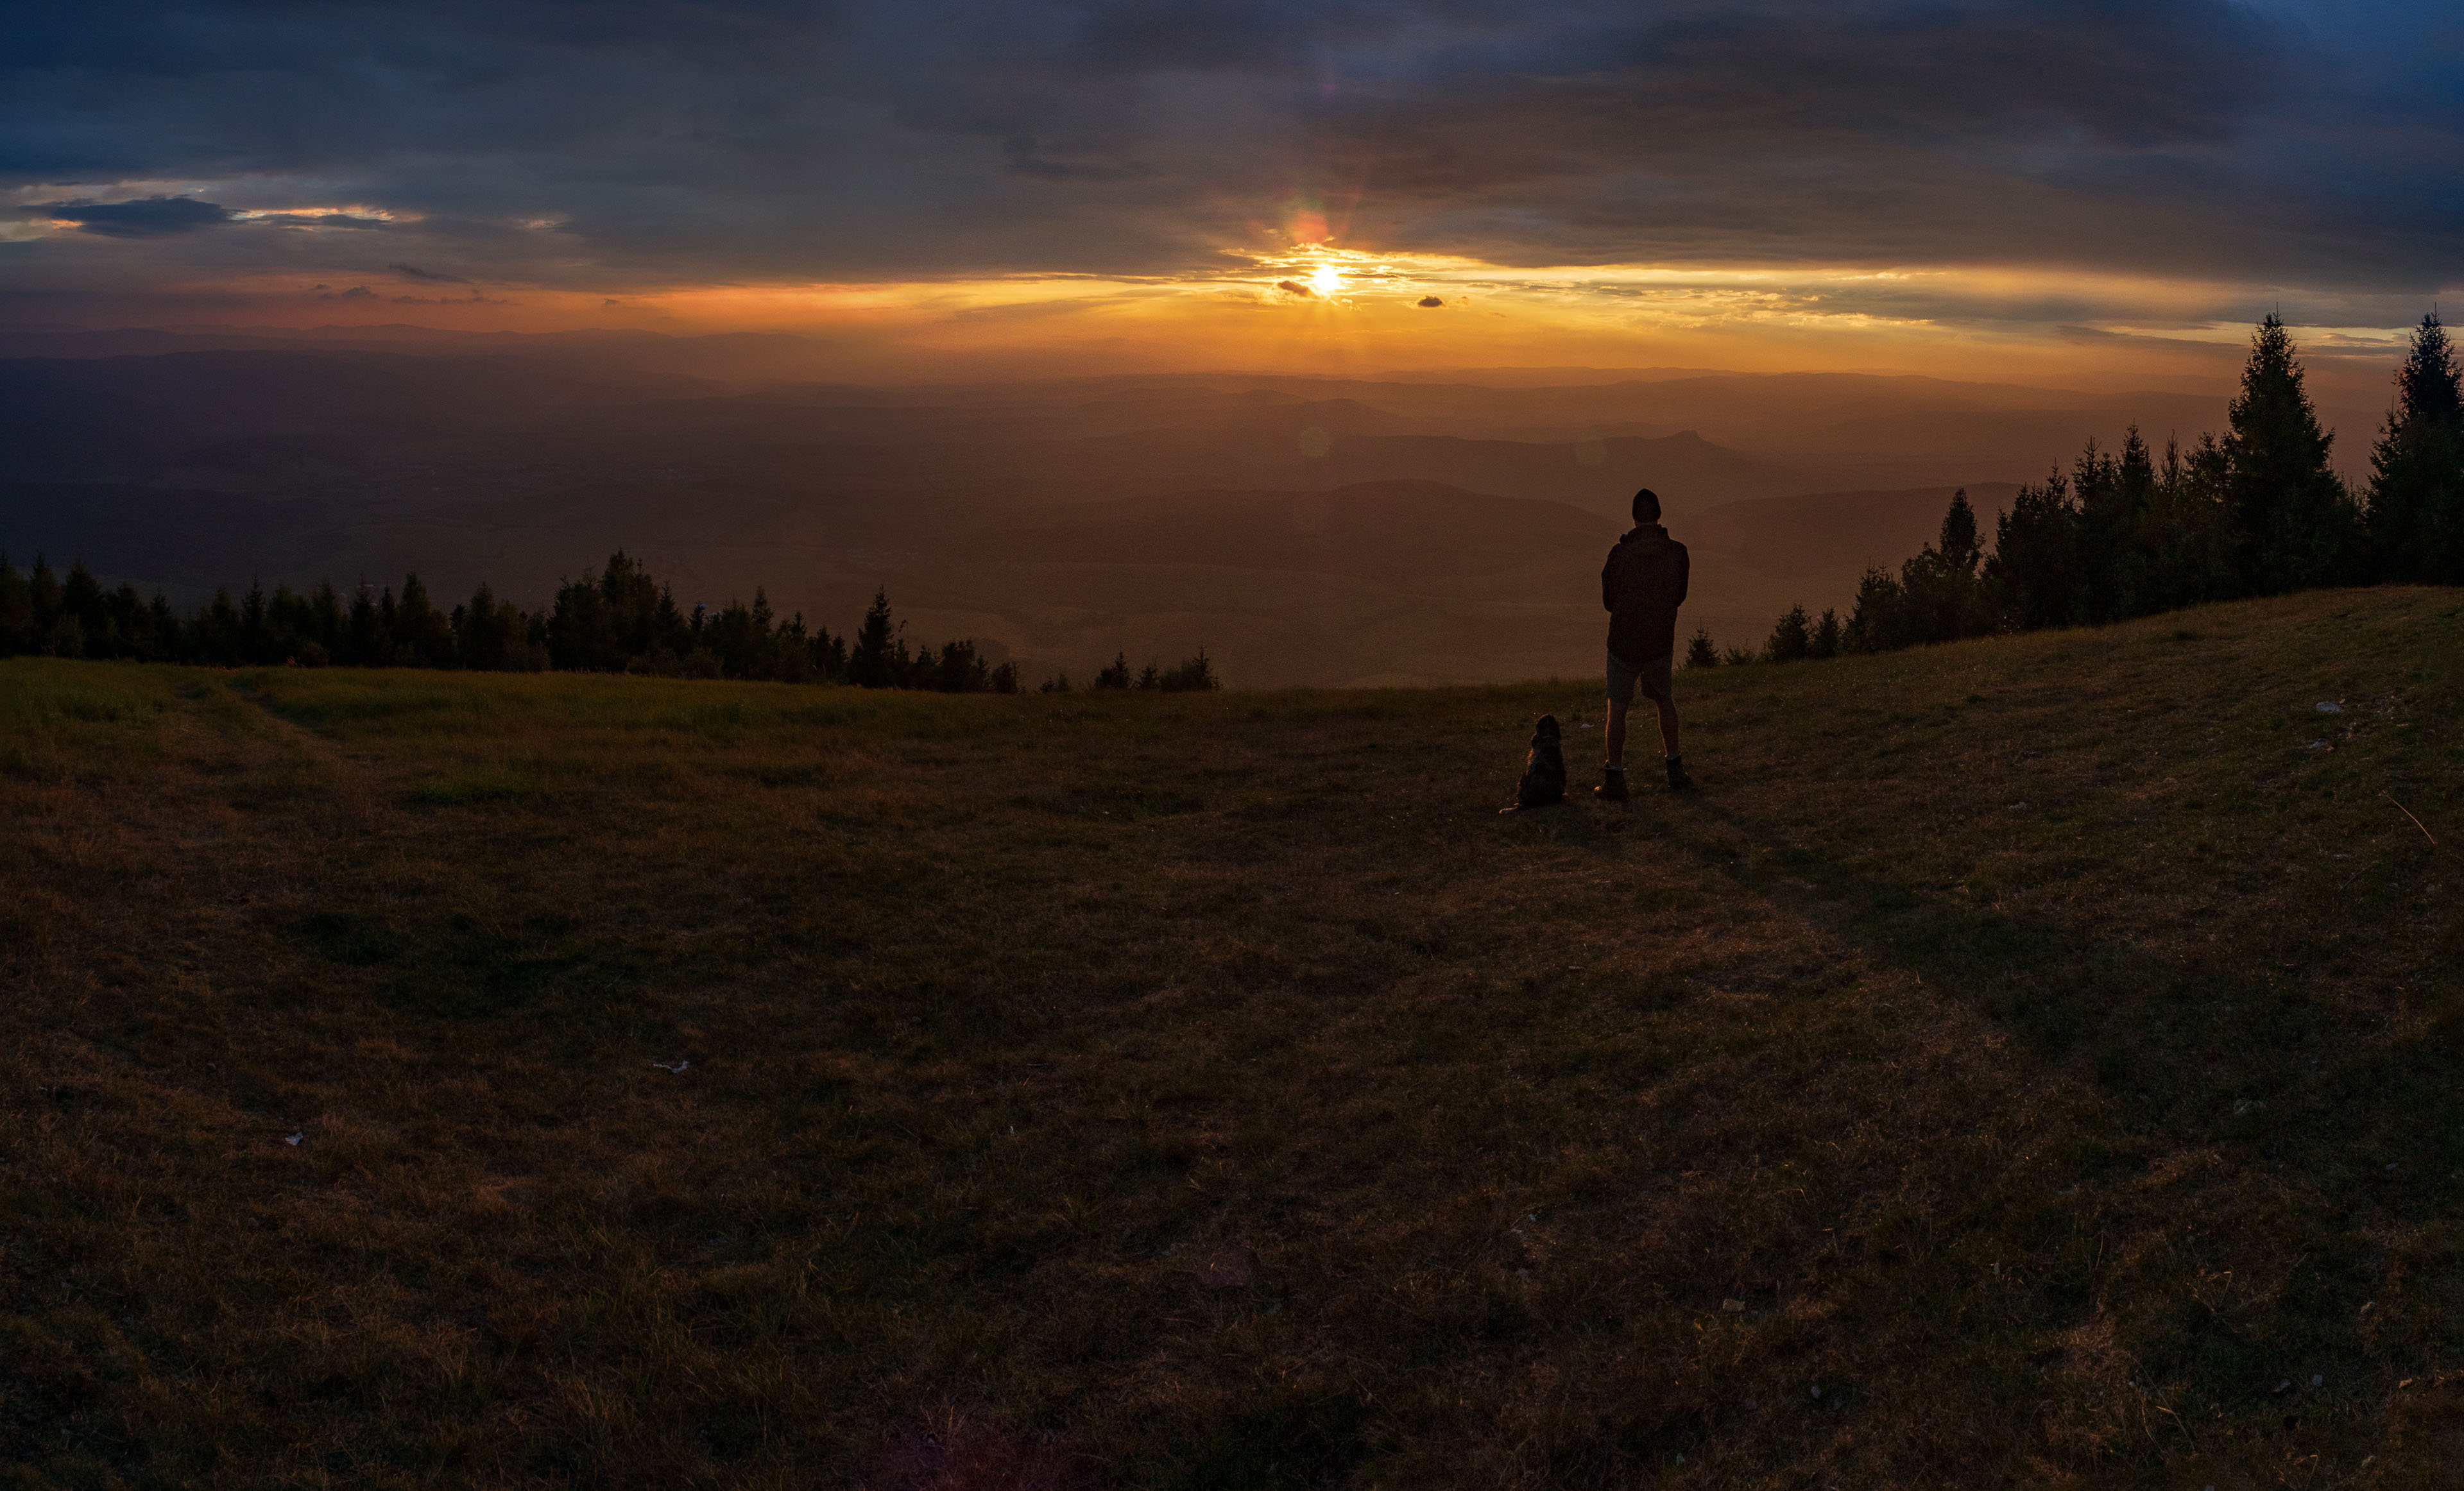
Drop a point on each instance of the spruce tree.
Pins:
(2034, 574)
(423, 635)
(1826, 637)
(2112, 497)
(1701, 651)
(43, 601)
(2183, 554)
(218, 632)
(163, 628)
(325, 619)
(82, 598)
(1959, 546)
(2291, 523)
(1791, 639)
(255, 626)
(2416, 514)
(16, 610)
(877, 659)
(830, 656)
(1194, 673)
(1940, 597)
(1877, 624)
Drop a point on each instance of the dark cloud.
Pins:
(638, 142)
(415, 271)
(1293, 287)
(147, 217)
(1430, 302)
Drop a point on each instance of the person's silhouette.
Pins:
(1641, 586)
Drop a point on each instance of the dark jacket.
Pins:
(1641, 586)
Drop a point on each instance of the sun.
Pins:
(1325, 279)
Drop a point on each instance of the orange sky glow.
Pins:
(1314, 306)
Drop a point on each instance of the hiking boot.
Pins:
(1678, 781)
(1612, 787)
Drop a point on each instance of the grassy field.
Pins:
(2033, 1062)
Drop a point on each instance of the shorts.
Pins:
(1653, 677)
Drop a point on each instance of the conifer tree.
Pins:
(2182, 553)
(2416, 513)
(1701, 651)
(218, 632)
(132, 630)
(43, 604)
(2112, 497)
(1117, 675)
(830, 656)
(2291, 523)
(581, 633)
(163, 627)
(1826, 637)
(1193, 673)
(791, 652)
(2034, 573)
(366, 647)
(877, 659)
(255, 626)
(16, 610)
(494, 634)
(1949, 598)
(324, 624)
(423, 635)
(1875, 622)
(1959, 546)
(1791, 639)
(962, 668)
(81, 602)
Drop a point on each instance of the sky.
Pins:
(2047, 190)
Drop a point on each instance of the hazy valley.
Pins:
(1303, 531)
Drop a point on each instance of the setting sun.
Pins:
(1325, 279)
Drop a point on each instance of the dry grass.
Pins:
(2049, 1049)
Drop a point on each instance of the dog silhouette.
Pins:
(1544, 769)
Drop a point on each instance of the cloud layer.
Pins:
(617, 148)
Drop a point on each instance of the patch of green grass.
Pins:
(62, 720)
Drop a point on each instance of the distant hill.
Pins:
(1387, 529)
(353, 454)
(1821, 536)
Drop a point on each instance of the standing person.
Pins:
(1641, 586)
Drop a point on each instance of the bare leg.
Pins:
(1667, 728)
(1617, 732)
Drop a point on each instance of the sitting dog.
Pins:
(1544, 769)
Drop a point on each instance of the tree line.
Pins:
(619, 619)
(2256, 511)
(1196, 672)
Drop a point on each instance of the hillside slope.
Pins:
(2024, 1061)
